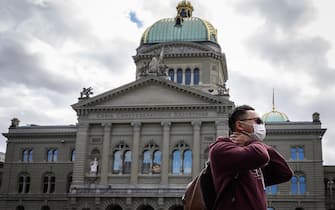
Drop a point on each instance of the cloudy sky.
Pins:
(50, 50)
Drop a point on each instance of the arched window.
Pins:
(298, 184)
(181, 160)
(73, 155)
(127, 162)
(301, 153)
(121, 159)
(179, 76)
(49, 181)
(171, 74)
(272, 190)
(294, 185)
(293, 153)
(187, 165)
(55, 155)
(187, 76)
(52, 155)
(302, 185)
(117, 165)
(20, 207)
(156, 166)
(24, 183)
(45, 208)
(297, 153)
(196, 76)
(151, 161)
(49, 155)
(25, 155)
(176, 162)
(30, 155)
(69, 182)
(146, 165)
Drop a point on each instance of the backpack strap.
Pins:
(230, 186)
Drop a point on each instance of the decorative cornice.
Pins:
(173, 50)
(83, 107)
(39, 135)
(320, 131)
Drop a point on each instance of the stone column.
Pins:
(222, 128)
(165, 153)
(81, 153)
(196, 147)
(135, 153)
(105, 154)
(192, 77)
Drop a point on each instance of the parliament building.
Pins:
(137, 146)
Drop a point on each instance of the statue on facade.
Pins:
(15, 123)
(155, 67)
(222, 89)
(86, 92)
(94, 164)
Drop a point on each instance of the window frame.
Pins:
(24, 183)
(178, 159)
(48, 183)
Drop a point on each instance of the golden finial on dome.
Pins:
(274, 116)
(273, 99)
(184, 9)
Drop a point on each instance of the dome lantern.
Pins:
(184, 9)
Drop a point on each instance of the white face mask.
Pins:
(259, 131)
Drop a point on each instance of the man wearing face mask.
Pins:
(242, 165)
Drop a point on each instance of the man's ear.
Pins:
(238, 126)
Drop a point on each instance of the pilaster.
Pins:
(135, 153)
(81, 153)
(105, 154)
(222, 128)
(196, 147)
(165, 153)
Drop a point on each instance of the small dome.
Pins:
(275, 116)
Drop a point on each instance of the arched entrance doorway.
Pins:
(145, 207)
(113, 207)
(176, 207)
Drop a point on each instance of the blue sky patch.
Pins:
(134, 19)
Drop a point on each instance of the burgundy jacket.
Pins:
(255, 165)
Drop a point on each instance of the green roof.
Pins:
(275, 116)
(191, 29)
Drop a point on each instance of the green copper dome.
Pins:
(190, 29)
(182, 28)
(275, 116)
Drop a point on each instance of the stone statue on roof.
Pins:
(156, 67)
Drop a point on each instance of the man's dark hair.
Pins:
(238, 114)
